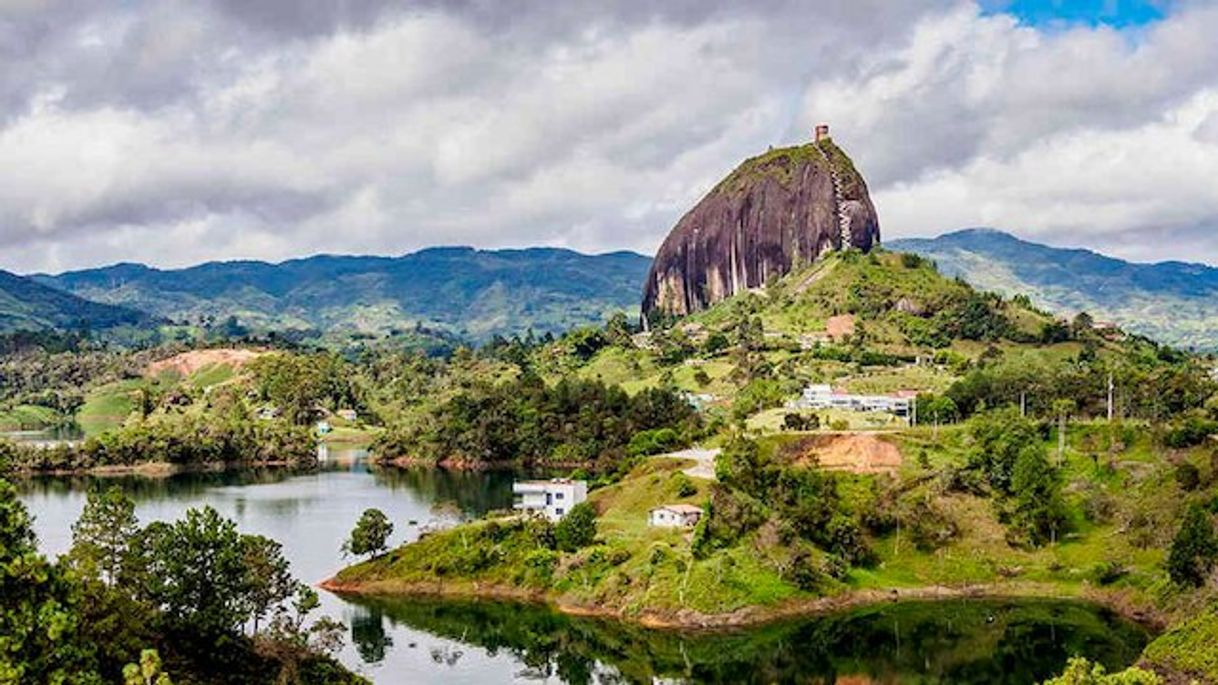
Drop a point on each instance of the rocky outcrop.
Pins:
(774, 213)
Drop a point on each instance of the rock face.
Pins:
(774, 213)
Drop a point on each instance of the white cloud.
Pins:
(175, 132)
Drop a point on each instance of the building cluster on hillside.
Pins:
(823, 396)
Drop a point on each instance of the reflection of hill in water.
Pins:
(472, 492)
(949, 642)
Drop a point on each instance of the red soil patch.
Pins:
(840, 326)
(187, 363)
(854, 452)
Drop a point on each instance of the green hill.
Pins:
(27, 305)
(472, 293)
(1172, 302)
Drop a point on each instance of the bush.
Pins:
(656, 441)
(1109, 572)
(1188, 476)
(577, 529)
(800, 422)
(539, 567)
(1190, 432)
(684, 485)
(1194, 549)
(805, 572)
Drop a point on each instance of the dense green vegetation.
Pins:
(572, 423)
(218, 606)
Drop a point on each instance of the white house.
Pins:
(675, 516)
(549, 498)
(823, 396)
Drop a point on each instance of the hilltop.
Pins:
(472, 294)
(1173, 302)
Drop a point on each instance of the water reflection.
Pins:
(950, 642)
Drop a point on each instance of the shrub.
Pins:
(577, 529)
(805, 572)
(1194, 549)
(1109, 572)
(539, 567)
(1190, 432)
(1188, 476)
(684, 485)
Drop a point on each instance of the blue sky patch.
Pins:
(1115, 13)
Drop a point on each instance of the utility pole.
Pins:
(1111, 390)
(1023, 404)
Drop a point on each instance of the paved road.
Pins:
(704, 458)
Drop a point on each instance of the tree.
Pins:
(101, 537)
(1194, 549)
(196, 574)
(268, 580)
(1039, 512)
(938, 409)
(1082, 325)
(370, 534)
(577, 529)
(38, 617)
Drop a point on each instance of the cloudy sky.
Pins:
(172, 132)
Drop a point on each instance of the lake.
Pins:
(411, 641)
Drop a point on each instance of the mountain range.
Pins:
(1172, 302)
(479, 293)
(467, 292)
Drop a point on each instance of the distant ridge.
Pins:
(470, 292)
(1173, 302)
(27, 305)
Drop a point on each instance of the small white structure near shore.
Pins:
(675, 516)
(550, 498)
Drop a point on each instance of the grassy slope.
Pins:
(1191, 648)
(633, 568)
(27, 417)
(801, 303)
(108, 406)
(657, 575)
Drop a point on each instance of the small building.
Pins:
(323, 427)
(675, 516)
(347, 414)
(550, 498)
(822, 132)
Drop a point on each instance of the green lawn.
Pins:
(108, 406)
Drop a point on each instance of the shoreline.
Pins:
(685, 620)
(156, 469)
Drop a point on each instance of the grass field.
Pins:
(28, 417)
(108, 406)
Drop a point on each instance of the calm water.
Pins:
(395, 641)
